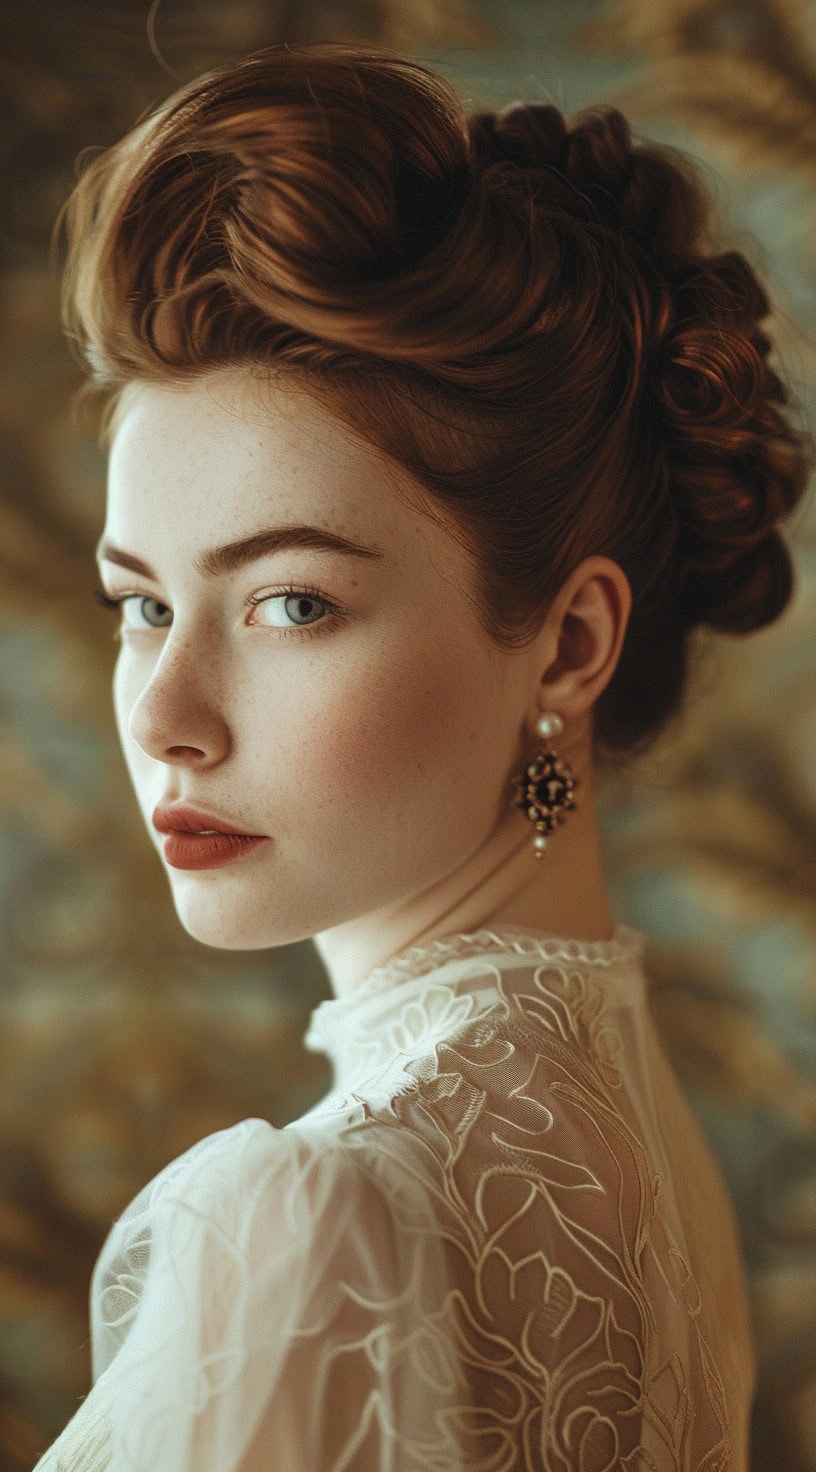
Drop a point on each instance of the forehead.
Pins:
(223, 454)
(228, 415)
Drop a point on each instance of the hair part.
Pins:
(529, 315)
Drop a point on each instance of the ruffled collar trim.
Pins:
(623, 945)
(335, 1021)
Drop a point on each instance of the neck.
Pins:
(500, 883)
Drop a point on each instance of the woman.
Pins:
(434, 440)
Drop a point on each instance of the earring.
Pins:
(544, 790)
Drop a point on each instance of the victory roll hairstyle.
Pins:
(527, 314)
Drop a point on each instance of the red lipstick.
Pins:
(189, 845)
(176, 817)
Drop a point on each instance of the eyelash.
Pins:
(303, 590)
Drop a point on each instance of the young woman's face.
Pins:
(350, 708)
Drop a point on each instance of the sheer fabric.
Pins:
(500, 1243)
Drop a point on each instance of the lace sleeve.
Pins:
(259, 1305)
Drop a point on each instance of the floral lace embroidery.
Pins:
(483, 1254)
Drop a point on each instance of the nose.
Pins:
(177, 715)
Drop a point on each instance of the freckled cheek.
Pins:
(383, 732)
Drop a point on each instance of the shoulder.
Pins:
(250, 1196)
(236, 1174)
(262, 1279)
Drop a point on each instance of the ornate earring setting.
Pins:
(544, 790)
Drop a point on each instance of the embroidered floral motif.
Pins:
(481, 1252)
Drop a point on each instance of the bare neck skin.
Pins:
(499, 883)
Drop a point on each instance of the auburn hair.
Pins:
(528, 314)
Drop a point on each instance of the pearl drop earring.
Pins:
(544, 790)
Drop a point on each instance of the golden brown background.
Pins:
(122, 1040)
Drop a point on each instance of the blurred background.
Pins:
(122, 1041)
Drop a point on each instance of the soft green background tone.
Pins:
(121, 1040)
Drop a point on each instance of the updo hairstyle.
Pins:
(529, 315)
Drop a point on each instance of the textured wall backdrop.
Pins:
(122, 1040)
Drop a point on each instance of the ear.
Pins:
(586, 626)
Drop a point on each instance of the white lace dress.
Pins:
(499, 1242)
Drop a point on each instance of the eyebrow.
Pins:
(217, 561)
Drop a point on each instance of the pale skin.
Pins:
(377, 747)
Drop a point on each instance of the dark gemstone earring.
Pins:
(544, 790)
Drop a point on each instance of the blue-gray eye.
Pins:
(298, 606)
(141, 599)
(303, 597)
(131, 598)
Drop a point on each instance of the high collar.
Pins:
(423, 994)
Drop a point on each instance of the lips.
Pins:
(213, 851)
(181, 818)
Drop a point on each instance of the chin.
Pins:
(224, 927)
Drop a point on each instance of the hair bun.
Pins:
(753, 591)
(593, 157)
(532, 135)
(735, 464)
